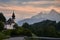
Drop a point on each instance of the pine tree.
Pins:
(2, 17)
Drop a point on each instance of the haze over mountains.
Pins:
(52, 15)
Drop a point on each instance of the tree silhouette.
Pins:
(25, 25)
(2, 17)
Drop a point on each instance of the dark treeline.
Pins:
(46, 28)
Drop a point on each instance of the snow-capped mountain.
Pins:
(52, 15)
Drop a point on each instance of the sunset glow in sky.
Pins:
(27, 8)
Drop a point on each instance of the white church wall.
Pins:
(9, 26)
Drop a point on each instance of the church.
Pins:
(9, 24)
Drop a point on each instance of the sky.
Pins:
(27, 8)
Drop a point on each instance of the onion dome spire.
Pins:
(13, 15)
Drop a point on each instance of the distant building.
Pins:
(10, 22)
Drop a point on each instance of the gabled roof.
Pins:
(10, 21)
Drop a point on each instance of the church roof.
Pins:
(10, 21)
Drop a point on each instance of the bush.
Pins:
(1, 26)
(2, 36)
(20, 32)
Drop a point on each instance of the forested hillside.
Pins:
(46, 28)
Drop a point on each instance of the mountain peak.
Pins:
(40, 13)
(53, 11)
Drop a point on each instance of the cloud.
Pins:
(23, 0)
(35, 3)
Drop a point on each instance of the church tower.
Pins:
(13, 16)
